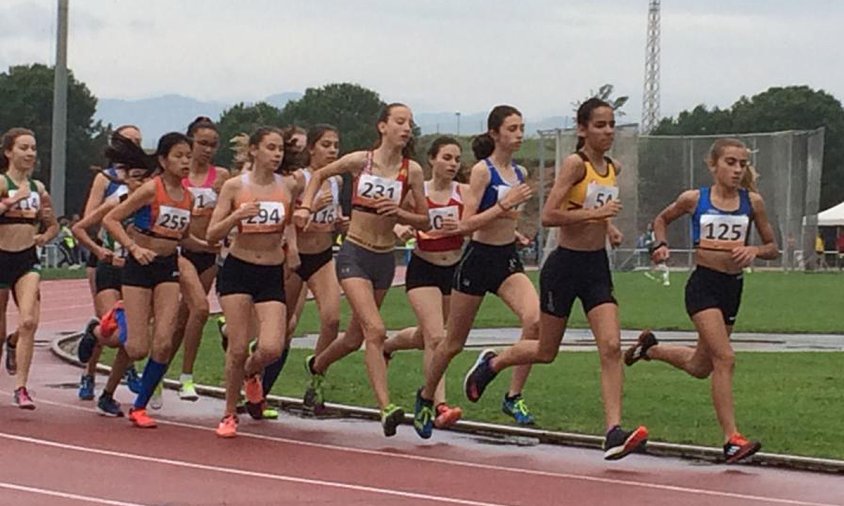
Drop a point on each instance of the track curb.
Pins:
(710, 454)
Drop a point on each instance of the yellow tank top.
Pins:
(594, 190)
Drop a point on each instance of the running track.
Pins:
(64, 454)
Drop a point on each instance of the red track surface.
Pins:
(63, 453)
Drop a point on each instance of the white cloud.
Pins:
(539, 55)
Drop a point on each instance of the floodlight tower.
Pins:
(650, 94)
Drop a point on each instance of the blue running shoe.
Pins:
(515, 406)
(86, 388)
(479, 376)
(423, 416)
(133, 379)
(107, 406)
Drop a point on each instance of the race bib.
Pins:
(204, 200)
(503, 190)
(439, 214)
(373, 187)
(171, 222)
(723, 231)
(270, 218)
(120, 191)
(324, 219)
(598, 195)
(26, 208)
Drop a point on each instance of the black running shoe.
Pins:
(739, 448)
(619, 443)
(479, 376)
(88, 341)
(639, 351)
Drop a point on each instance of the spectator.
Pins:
(68, 247)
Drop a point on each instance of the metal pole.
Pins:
(58, 147)
(540, 243)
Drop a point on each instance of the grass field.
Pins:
(772, 302)
(62, 273)
(793, 402)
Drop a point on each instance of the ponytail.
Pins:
(482, 146)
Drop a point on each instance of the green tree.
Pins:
(26, 95)
(776, 109)
(604, 93)
(351, 108)
(243, 118)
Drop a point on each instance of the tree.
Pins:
(243, 118)
(605, 93)
(776, 109)
(351, 108)
(26, 95)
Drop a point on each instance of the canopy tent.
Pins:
(832, 217)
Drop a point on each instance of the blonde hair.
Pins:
(240, 145)
(718, 147)
(749, 179)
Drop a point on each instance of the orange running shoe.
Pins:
(227, 427)
(739, 448)
(139, 417)
(254, 396)
(447, 415)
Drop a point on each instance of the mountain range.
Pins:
(156, 116)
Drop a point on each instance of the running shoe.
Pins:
(739, 448)
(187, 391)
(423, 416)
(269, 413)
(11, 357)
(224, 339)
(447, 415)
(314, 400)
(254, 396)
(133, 379)
(227, 427)
(23, 400)
(107, 406)
(516, 407)
(86, 388)
(391, 417)
(639, 351)
(479, 376)
(88, 341)
(619, 443)
(140, 419)
(156, 402)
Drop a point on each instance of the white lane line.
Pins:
(64, 495)
(488, 467)
(250, 474)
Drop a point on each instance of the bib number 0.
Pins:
(439, 214)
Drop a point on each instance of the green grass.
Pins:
(793, 402)
(772, 302)
(62, 273)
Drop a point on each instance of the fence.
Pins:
(656, 169)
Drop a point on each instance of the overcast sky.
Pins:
(435, 55)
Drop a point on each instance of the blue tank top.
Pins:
(112, 187)
(490, 197)
(726, 232)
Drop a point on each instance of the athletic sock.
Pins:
(153, 373)
(272, 371)
(185, 378)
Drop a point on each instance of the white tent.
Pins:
(832, 217)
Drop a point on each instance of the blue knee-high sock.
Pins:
(153, 373)
(272, 371)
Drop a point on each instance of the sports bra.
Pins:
(164, 217)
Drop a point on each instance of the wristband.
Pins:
(303, 207)
(505, 209)
(659, 245)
